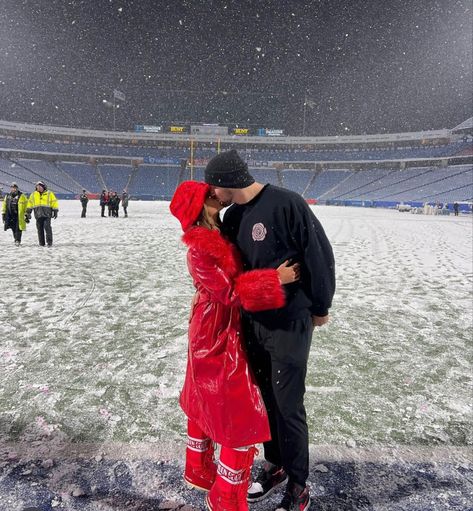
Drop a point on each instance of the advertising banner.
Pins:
(178, 129)
(241, 131)
(148, 129)
(161, 161)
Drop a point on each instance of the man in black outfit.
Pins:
(104, 197)
(270, 225)
(114, 203)
(125, 199)
(84, 199)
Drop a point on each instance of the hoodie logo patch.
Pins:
(259, 232)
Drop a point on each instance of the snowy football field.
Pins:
(93, 332)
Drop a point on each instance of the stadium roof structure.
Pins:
(464, 127)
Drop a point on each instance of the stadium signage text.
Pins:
(241, 131)
(148, 129)
(160, 161)
(274, 133)
(178, 129)
(266, 132)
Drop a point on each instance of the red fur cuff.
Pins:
(260, 290)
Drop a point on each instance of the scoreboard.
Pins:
(209, 129)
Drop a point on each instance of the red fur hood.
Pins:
(213, 245)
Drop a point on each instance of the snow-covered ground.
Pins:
(93, 335)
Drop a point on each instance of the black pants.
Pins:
(84, 211)
(125, 210)
(43, 225)
(15, 228)
(103, 209)
(278, 358)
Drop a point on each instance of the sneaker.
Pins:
(269, 479)
(295, 498)
(17, 243)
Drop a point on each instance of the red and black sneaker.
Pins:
(269, 479)
(296, 498)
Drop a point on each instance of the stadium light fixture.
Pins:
(113, 106)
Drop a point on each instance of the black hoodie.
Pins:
(277, 225)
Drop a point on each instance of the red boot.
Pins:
(231, 485)
(200, 468)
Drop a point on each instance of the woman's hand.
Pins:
(289, 273)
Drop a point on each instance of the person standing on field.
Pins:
(45, 206)
(219, 397)
(84, 199)
(104, 197)
(269, 225)
(125, 199)
(114, 204)
(13, 212)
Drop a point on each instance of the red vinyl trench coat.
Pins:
(219, 392)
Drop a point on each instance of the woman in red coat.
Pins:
(219, 397)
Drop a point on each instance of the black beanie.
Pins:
(228, 170)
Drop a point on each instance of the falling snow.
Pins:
(403, 67)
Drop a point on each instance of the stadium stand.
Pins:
(9, 173)
(381, 169)
(297, 180)
(84, 174)
(324, 182)
(115, 177)
(157, 182)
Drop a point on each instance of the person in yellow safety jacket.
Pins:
(13, 212)
(45, 206)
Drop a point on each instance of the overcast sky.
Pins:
(366, 66)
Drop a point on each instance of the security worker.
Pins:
(45, 206)
(13, 212)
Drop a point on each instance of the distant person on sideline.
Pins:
(84, 200)
(45, 206)
(104, 197)
(270, 224)
(114, 204)
(125, 199)
(13, 212)
(110, 203)
(222, 402)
